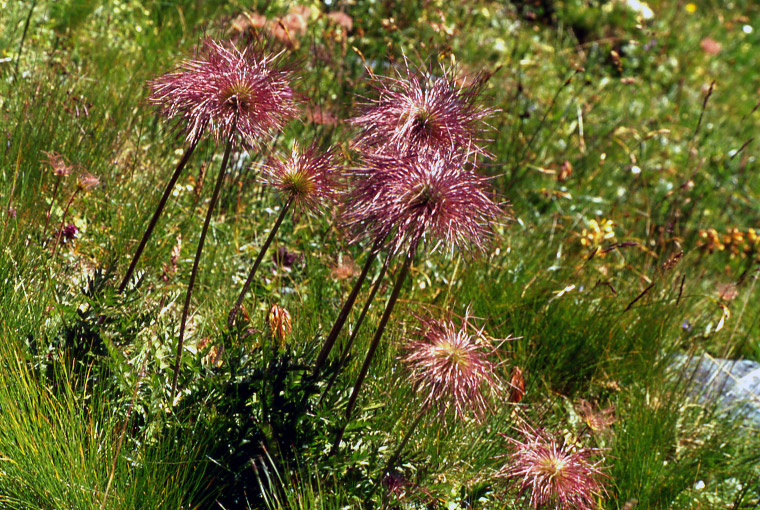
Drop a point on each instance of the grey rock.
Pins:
(733, 385)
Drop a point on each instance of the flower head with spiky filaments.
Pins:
(417, 112)
(415, 199)
(59, 164)
(224, 87)
(307, 177)
(451, 367)
(553, 472)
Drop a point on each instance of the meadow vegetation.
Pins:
(523, 279)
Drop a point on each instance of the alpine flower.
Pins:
(424, 198)
(225, 88)
(450, 366)
(419, 113)
(553, 472)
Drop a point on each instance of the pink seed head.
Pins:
(424, 198)
(58, 164)
(553, 473)
(450, 365)
(222, 87)
(416, 112)
(307, 177)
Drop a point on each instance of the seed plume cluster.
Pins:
(308, 177)
(225, 88)
(418, 113)
(432, 198)
(553, 473)
(452, 368)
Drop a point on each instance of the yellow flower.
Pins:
(691, 8)
(597, 232)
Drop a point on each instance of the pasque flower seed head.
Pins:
(430, 197)
(223, 87)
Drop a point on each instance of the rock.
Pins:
(734, 385)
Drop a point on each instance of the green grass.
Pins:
(660, 154)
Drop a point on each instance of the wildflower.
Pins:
(419, 113)
(597, 232)
(423, 198)
(227, 89)
(691, 8)
(237, 95)
(279, 322)
(597, 419)
(406, 201)
(61, 168)
(710, 240)
(87, 182)
(553, 472)
(69, 233)
(58, 164)
(451, 368)
(308, 178)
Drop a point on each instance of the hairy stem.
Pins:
(167, 192)
(256, 263)
(198, 252)
(347, 349)
(375, 342)
(341, 320)
(63, 221)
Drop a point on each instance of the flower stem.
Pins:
(198, 252)
(256, 263)
(375, 342)
(63, 220)
(169, 187)
(400, 448)
(347, 349)
(343, 315)
(52, 203)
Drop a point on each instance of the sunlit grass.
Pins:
(618, 142)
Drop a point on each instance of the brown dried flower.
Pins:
(279, 322)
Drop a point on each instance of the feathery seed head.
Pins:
(422, 198)
(450, 366)
(416, 112)
(86, 181)
(59, 164)
(224, 87)
(553, 472)
(308, 177)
